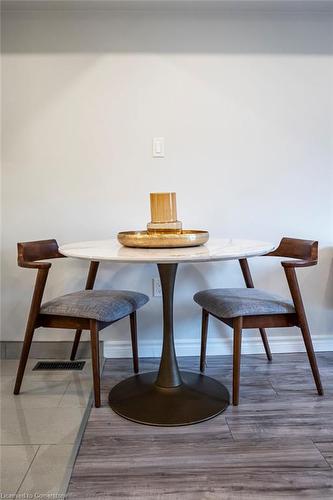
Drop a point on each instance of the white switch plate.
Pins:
(157, 289)
(158, 147)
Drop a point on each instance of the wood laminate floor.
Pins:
(278, 443)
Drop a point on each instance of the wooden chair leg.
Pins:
(266, 344)
(237, 324)
(75, 344)
(249, 283)
(24, 357)
(303, 323)
(134, 342)
(94, 337)
(204, 333)
(312, 357)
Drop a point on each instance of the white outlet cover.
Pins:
(157, 289)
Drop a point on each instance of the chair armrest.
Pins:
(34, 265)
(298, 263)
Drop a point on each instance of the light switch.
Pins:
(158, 147)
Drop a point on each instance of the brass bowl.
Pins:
(143, 239)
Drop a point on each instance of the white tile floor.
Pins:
(41, 428)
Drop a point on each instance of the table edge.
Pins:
(171, 260)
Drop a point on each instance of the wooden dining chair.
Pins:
(249, 307)
(84, 310)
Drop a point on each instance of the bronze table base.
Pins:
(198, 398)
(168, 397)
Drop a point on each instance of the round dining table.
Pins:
(168, 397)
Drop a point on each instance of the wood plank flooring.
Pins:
(277, 444)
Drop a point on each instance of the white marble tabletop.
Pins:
(215, 249)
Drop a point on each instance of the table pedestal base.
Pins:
(140, 399)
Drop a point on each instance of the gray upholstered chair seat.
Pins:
(102, 305)
(234, 302)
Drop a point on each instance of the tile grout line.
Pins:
(28, 469)
(63, 394)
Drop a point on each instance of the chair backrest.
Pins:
(305, 253)
(30, 251)
(297, 249)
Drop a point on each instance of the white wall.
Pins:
(244, 101)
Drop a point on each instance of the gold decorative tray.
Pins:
(143, 239)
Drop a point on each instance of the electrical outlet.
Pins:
(157, 289)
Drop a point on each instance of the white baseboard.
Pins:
(191, 347)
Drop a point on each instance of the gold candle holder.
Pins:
(164, 230)
(163, 209)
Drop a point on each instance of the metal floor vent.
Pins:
(59, 365)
